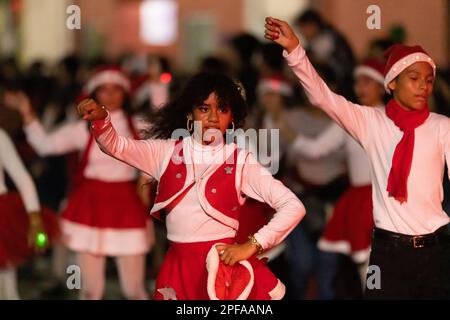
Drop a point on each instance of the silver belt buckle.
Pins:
(417, 243)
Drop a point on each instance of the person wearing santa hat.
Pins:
(202, 185)
(104, 215)
(407, 147)
(350, 227)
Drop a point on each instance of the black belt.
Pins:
(440, 236)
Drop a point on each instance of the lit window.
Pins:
(158, 25)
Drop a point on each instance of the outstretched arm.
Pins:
(327, 142)
(144, 155)
(67, 138)
(354, 118)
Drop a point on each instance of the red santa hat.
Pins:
(107, 74)
(371, 68)
(274, 83)
(228, 282)
(399, 57)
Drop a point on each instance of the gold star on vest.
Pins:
(177, 159)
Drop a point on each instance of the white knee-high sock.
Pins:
(8, 284)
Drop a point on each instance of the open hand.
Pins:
(233, 253)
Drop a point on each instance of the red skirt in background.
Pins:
(14, 223)
(184, 275)
(349, 229)
(107, 218)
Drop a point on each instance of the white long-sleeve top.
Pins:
(321, 171)
(379, 136)
(11, 162)
(333, 138)
(74, 137)
(188, 222)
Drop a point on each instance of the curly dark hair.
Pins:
(174, 114)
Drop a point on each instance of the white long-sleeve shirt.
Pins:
(379, 136)
(333, 138)
(74, 137)
(189, 221)
(321, 171)
(11, 162)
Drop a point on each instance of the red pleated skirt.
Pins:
(14, 224)
(184, 275)
(350, 228)
(106, 218)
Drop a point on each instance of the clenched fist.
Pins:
(281, 32)
(89, 110)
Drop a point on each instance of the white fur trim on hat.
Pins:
(404, 63)
(370, 72)
(212, 265)
(108, 76)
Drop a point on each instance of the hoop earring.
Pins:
(232, 129)
(189, 125)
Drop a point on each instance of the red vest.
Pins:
(217, 188)
(78, 177)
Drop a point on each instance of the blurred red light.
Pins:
(165, 77)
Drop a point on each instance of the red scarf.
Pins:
(406, 121)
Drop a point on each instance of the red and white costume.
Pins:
(201, 189)
(379, 136)
(349, 229)
(104, 215)
(14, 207)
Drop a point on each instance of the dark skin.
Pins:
(413, 86)
(410, 89)
(211, 117)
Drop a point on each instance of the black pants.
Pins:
(406, 272)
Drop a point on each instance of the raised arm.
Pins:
(327, 142)
(354, 118)
(144, 155)
(67, 138)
